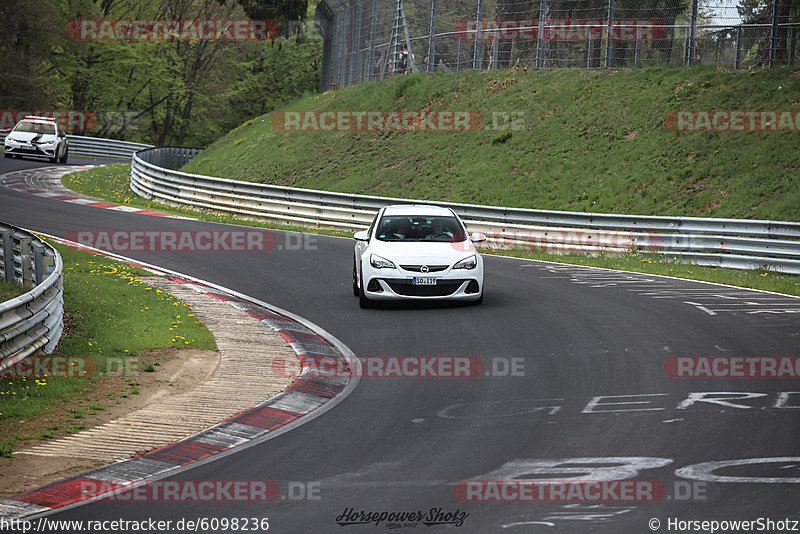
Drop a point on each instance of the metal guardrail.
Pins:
(732, 243)
(98, 146)
(33, 321)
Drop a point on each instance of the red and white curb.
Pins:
(309, 396)
(31, 181)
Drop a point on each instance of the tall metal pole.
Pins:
(739, 32)
(540, 41)
(357, 49)
(432, 38)
(410, 58)
(373, 28)
(692, 35)
(476, 53)
(609, 47)
(773, 41)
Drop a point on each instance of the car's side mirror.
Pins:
(362, 235)
(478, 237)
(61, 133)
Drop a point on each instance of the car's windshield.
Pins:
(420, 228)
(36, 127)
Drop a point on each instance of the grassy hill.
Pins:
(592, 141)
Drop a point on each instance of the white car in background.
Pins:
(37, 136)
(417, 252)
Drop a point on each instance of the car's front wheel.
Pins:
(355, 281)
(6, 154)
(363, 301)
(65, 155)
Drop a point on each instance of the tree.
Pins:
(273, 9)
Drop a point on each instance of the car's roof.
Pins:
(417, 209)
(52, 119)
(37, 120)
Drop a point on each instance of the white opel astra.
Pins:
(417, 252)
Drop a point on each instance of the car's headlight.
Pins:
(467, 263)
(380, 263)
(46, 143)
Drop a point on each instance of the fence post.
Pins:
(8, 255)
(637, 52)
(686, 46)
(495, 52)
(341, 68)
(739, 32)
(373, 28)
(25, 261)
(359, 54)
(476, 53)
(540, 42)
(773, 40)
(609, 47)
(791, 48)
(432, 38)
(460, 49)
(692, 34)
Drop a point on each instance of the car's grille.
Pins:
(442, 288)
(418, 268)
(26, 150)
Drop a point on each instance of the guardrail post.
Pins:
(25, 260)
(38, 264)
(8, 255)
(49, 263)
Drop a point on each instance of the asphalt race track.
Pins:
(590, 393)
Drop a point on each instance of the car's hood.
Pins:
(423, 252)
(28, 136)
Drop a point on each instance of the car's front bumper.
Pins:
(22, 149)
(466, 288)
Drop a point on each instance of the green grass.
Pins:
(10, 290)
(112, 317)
(112, 183)
(593, 141)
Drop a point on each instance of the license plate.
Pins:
(419, 281)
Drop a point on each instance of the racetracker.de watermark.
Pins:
(43, 366)
(70, 120)
(401, 367)
(377, 121)
(733, 366)
(738, 121)
(173, 30)
(559, 491)
(560, 30)
(256, 240)
(202, 491)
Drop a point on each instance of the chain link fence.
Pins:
(372, 39)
